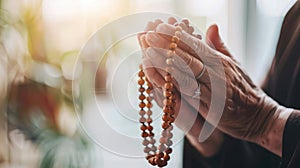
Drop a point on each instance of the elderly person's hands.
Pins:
(248, 114)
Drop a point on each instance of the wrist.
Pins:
(209, 147)
(271, 139)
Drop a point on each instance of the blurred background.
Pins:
(53, 117)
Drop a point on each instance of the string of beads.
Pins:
(159, 156)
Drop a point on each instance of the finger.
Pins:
(190, 29)
(172, 20)
(183, 26)
(185, 21)
(143, 43)
(214, 40)
(183, 82)
(151, 72)
(184, 61)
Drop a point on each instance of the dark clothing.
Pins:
(291, 142)
(283, 85)
(283, 80)
(234, 154)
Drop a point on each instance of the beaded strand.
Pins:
(159, 155)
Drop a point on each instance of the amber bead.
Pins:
(171, 119)
(168, 102)
(149, 112)
(175, 39)
(141, 74)
(169, 85)
(142, 120)
(170, 128)
(141, 89)
(149, 120)
(152, 161)
(143, 127)
(170, 135)
(167, 93)
(148, 91)
(152, 141)
(173, 46)
(169, 143)
(142, 97)
(141, 81)
(153, 148)
(178, 34)
(151, 134)
(162, 163)
(149, 105)
(149, 99)
(145, 142)
(165, 125)
(166, 109)
(166, 157)
(150, 128)
(165, 118)
(160, 155)
(142, 112)
(147, 149)
(169, 150)
(164, 133)
(161, 147)
(144, 134)
(163, 140)
(142, 105)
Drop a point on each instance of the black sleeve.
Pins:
(291, 142)
(233, 154)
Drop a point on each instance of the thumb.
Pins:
(214, 40)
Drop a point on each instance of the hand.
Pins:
(248, 114)
(212, 145)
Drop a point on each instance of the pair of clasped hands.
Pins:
(248, 113)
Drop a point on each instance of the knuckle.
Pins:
(165, 28)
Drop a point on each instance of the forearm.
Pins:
(272, 139)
